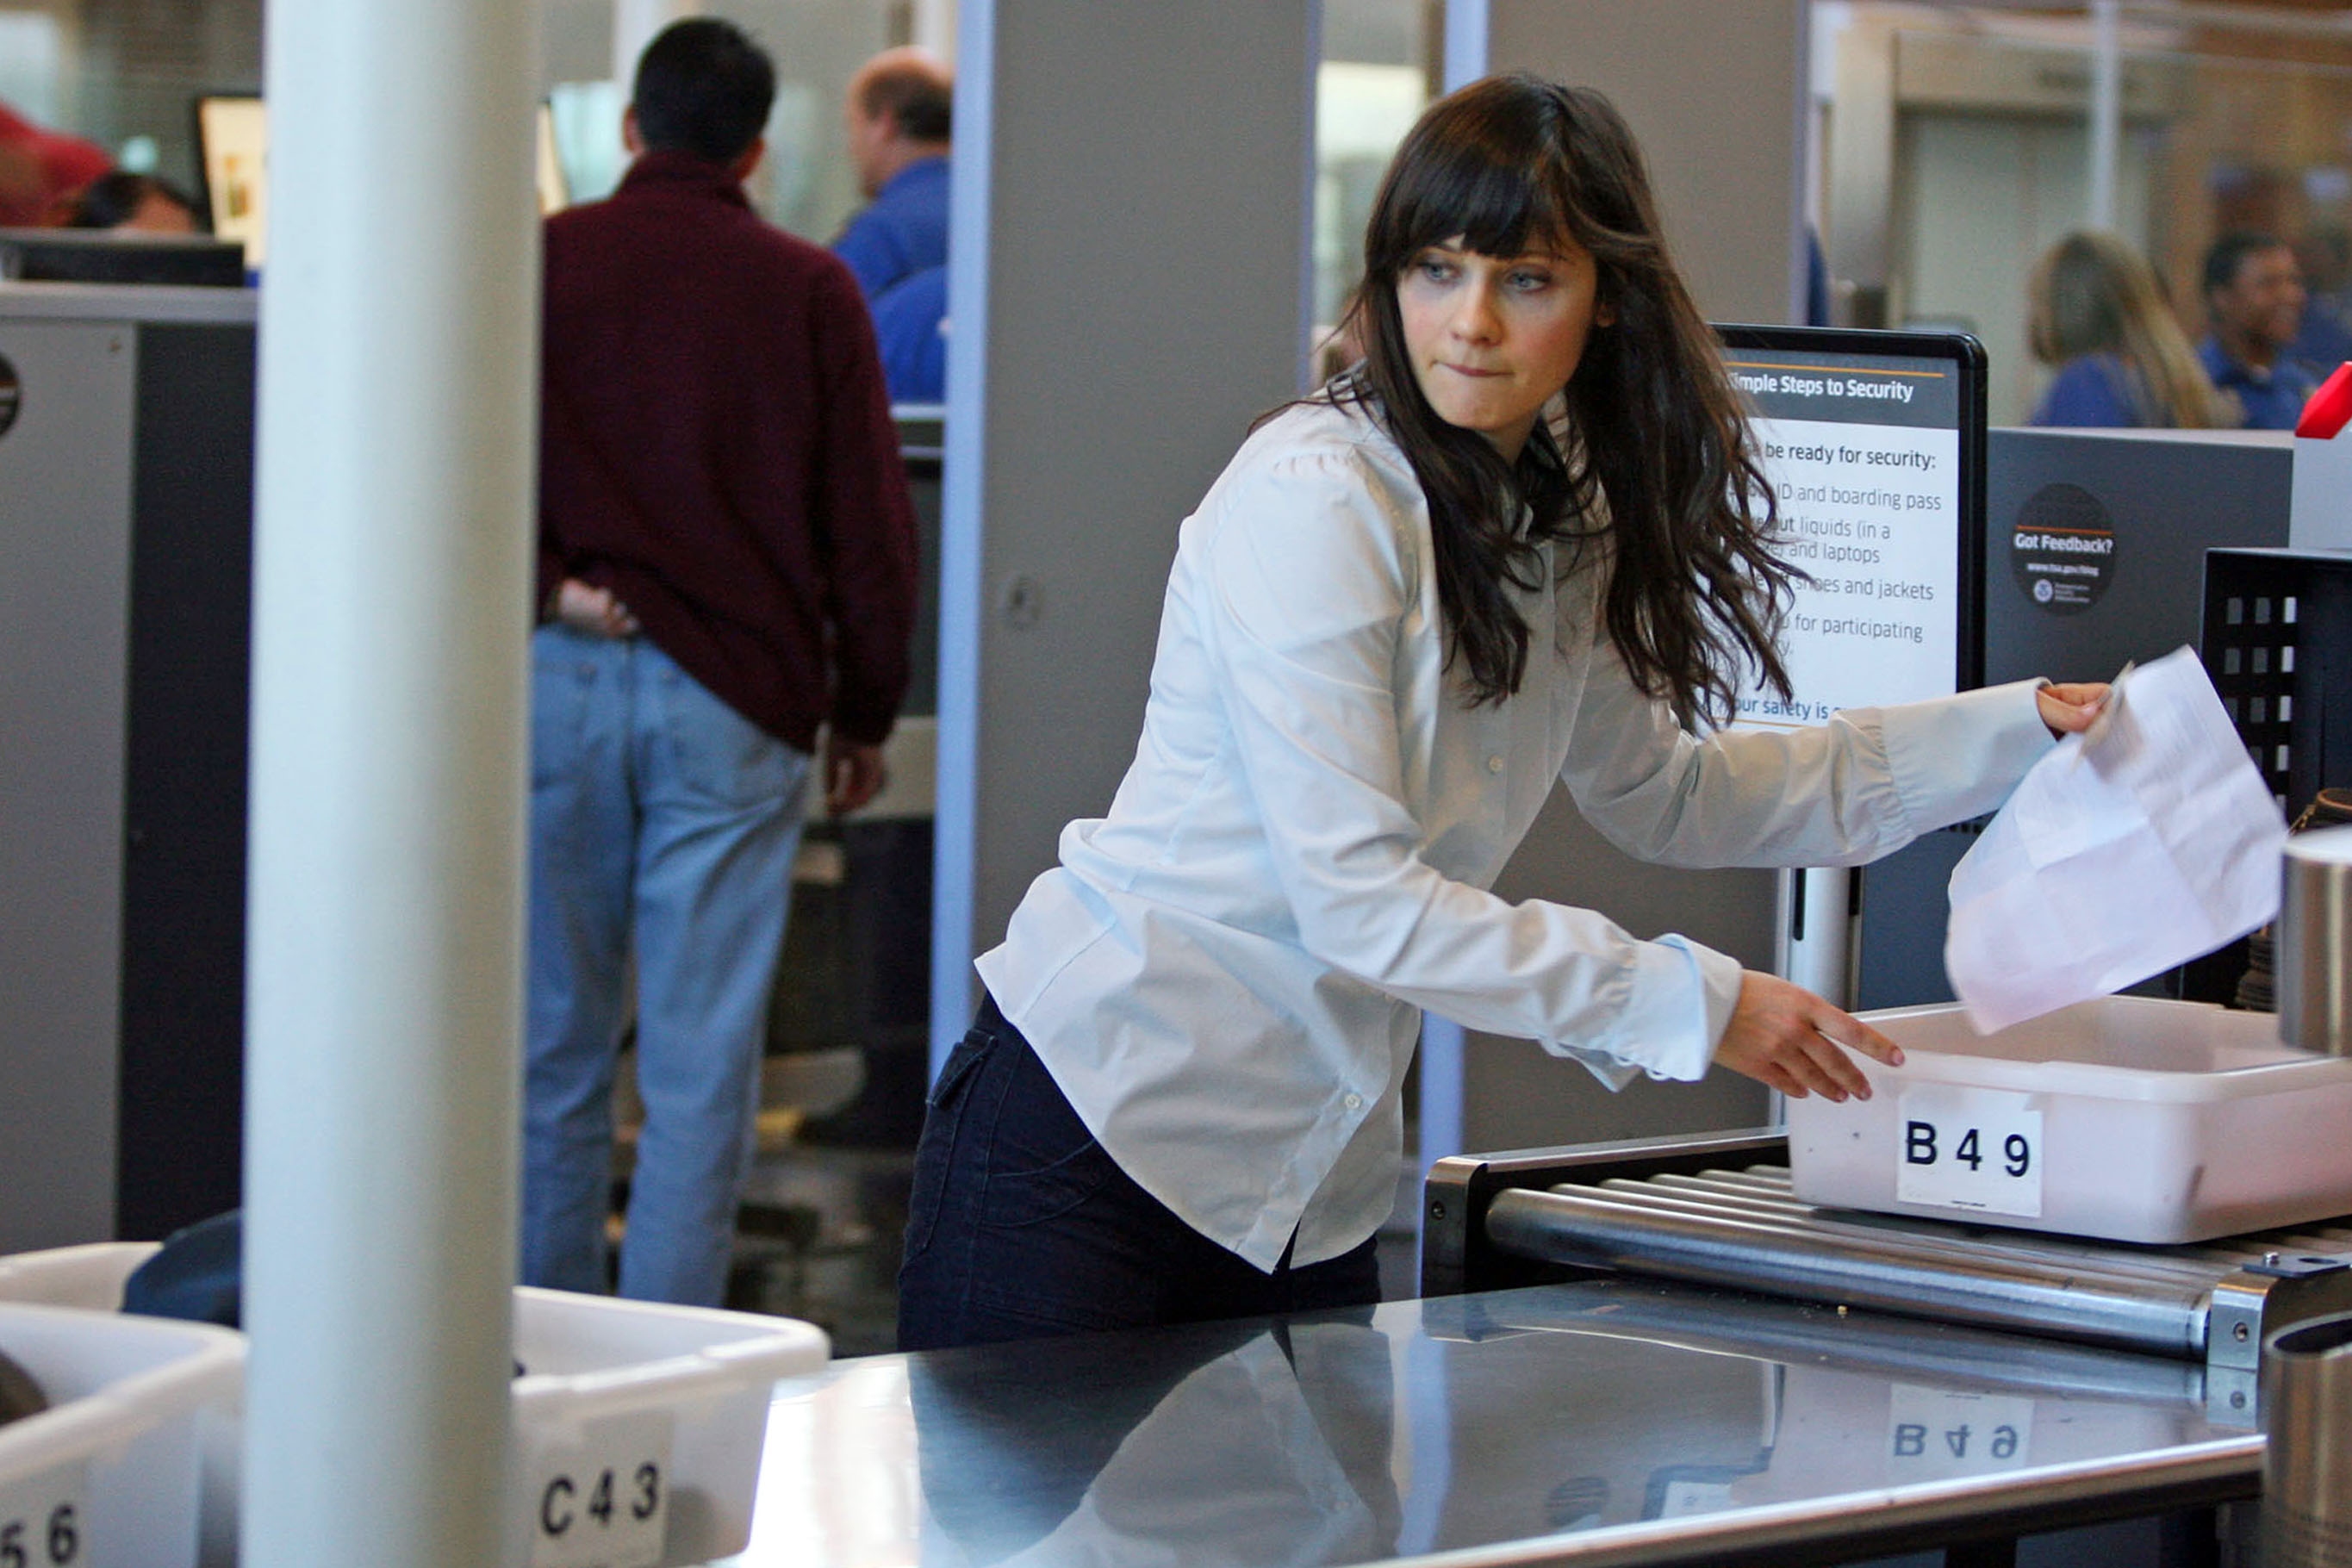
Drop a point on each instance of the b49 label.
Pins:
(1976, 1149)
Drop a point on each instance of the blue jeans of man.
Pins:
(663, 825)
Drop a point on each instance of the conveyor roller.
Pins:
(1742, 1229)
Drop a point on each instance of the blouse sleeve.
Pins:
(1861, 786)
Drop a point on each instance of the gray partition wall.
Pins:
(126, 477)
(1128, 292)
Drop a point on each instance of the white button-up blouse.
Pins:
(1225, 974)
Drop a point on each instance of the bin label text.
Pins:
(599, 1498)
(1977, 1149)
(43, 1518)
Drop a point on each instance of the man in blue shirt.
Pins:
(2325, 340)
(898, 116)
(2253, 303)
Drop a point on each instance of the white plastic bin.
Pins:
(608, 1385)
(107, 1476)
(90, 1277)
(639, 1426)
(2128, 1117)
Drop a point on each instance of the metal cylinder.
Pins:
(2307, 1451)
(1897, 1274)
(2314, 942)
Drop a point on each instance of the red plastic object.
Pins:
(2330, 408)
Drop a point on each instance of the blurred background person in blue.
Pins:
(2325, 339)
(910, 321)
(2098, 314)
(899, 114)
(2253, 306)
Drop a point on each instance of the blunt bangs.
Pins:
(1498, 204)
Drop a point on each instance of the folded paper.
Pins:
(2139, 845)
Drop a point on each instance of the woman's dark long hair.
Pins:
(1658, 464)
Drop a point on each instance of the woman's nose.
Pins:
(1474, 316)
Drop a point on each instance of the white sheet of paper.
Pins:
(2140, 845)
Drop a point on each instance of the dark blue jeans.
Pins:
(1022, 1226)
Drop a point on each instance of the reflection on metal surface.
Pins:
(1791, 1332)
(1607, 1421)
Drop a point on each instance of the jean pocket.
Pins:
(1043, 1161)
(717, 754)
(943, 1126)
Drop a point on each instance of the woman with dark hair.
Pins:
(1525, 539)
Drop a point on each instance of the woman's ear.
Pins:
(1604, 314)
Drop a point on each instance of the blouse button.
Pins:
(1494, 763)
(1354, 1103)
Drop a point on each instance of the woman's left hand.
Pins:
(2070, 710)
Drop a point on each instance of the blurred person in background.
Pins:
(139, 204)
(41, 171)
(910, 323)
(899, 115)
(726, 569)
(2325, 339)
(2253, 306)
(2098, 315)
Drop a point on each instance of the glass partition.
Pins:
(1378, 67)
(1955, 145)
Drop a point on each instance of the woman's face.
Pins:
(1493, 338)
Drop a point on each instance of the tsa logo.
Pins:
(2043, 592)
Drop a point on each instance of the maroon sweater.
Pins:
(717, 449)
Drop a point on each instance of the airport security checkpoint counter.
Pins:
(1610, 1421)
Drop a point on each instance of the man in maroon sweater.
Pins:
(726, 566)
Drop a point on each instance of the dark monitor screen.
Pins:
(1873, 445)
(99, 256)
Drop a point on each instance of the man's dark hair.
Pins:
(917, 101)
(112, 199)
(703, 88)
(2230, 252)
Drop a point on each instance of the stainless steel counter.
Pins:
(1613, 1422)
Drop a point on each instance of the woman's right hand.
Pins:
(1785, 1037)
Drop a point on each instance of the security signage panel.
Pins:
(1873, 446)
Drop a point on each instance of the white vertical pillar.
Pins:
(391, 599)
(2106, 111)
(935, 26)
(634, 25)
(1445, 1060)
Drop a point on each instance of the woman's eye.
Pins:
(1527, 282)
(1437, 269)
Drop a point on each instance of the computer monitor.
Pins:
(1873, 445)
(233, 146)
(103, 255)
